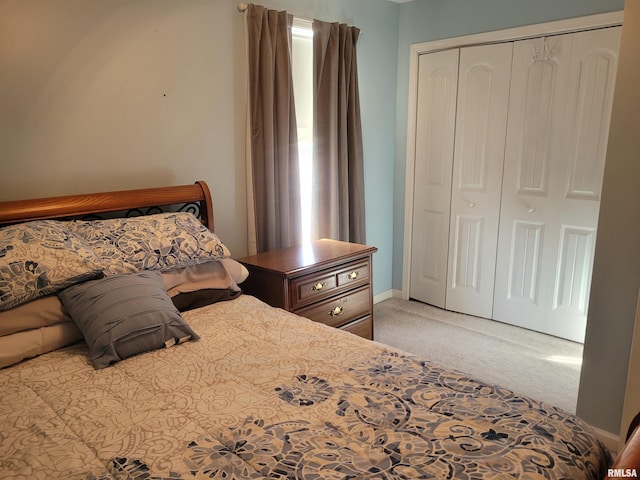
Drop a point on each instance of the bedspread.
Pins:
(267, 394)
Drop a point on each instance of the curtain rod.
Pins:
(242, 7)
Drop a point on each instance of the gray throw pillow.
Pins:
(123, 315)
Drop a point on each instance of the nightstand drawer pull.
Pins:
(354, 275)
(336, 312)
(318, 286)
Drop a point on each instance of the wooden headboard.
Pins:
(97, 203)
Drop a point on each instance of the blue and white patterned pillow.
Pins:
(40, 258)
(155, 242)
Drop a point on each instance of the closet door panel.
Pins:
(559, 111)
(435, 127)
(578, 188)
(574, 267)
(483, 86)
(467, 252)
(535, 127)
(539, 89)
(524, 261)
(589, 112)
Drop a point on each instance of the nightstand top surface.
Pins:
(288, 261)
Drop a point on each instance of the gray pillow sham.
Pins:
(123, 315)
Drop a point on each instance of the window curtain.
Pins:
(272, 146)
(338, 174)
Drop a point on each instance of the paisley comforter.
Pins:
(267, 394)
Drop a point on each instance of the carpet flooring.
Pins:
(539, 366)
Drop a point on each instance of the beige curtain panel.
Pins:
(273, 142)
(338, 194)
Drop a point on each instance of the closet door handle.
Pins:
(472, 204)
(531, 209)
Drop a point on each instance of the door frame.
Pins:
(571, 25)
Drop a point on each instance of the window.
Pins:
(302, 71)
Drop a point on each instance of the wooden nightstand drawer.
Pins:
(362, 327)
(338, 311)
(311, 288)
(358, 272)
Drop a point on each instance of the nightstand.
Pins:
(325, 280)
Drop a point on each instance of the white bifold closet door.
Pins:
(435, 129)
(559, 110)
(481, 124)
(510, 147)
(460, 134)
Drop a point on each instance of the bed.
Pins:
(236, 388)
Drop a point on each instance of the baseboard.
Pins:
(393, 293)
(608, 439)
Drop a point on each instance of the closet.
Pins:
(510, 144)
